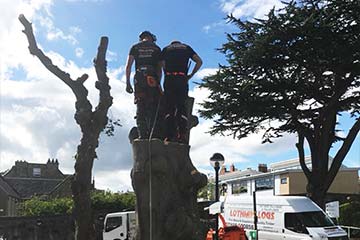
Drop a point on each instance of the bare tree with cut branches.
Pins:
(92, 123)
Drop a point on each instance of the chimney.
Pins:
(262, 168)
(232, 168)
(21, 168)
(223, 170)
(52, 163)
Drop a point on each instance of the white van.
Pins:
(119, 226)
(281, 217)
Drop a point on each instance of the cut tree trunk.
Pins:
(92, 123)
(166, 184)
(164, 173)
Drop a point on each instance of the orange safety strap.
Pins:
(175, 73)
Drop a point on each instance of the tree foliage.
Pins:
(350, 214)
(294, 72)
(207, 192)
(100, 200)
(113, 201)
(38, 207)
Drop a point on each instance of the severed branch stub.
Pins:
(92, 123)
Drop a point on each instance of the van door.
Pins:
(115, 228)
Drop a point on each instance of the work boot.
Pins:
(181, 138)
(168, 139)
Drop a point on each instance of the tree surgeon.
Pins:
(175, 59)
(146, 55)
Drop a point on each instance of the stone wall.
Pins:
(45, 228)
(37, 228)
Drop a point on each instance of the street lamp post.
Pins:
(216, 161)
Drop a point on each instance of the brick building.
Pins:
(286, 178)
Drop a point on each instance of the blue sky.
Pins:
(36, 109)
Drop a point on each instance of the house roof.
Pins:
(238, 174)
(62, 183)
(24, 169)
(295, 164)
(4, 185)
(28, 187)
(235, 177)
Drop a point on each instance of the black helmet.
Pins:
(147, 33)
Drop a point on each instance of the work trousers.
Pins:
(147, 102)
(175, 94)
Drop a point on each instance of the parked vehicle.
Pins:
(119, 226)
(281, 217)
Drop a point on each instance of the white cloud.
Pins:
(234, 150)
(54, 33)
(116, 181)
(37, 113)
(79, 52)
(249, 8)
(111, 56)
(215, 25)
(13, 42)
(205, 72)
(243, 9)
(229, 6)
(75, 29)
(85, 1)
(206, 28)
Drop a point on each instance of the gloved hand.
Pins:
(189, 76)
(129, 88)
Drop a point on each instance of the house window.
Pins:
(239, 187)
(264, 183)
(37, 172)
(283, 180)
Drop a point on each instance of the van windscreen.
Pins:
(112, 223)
(298, 221)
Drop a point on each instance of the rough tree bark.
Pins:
(165, 174)
(92, 123)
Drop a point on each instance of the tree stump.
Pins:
(164, 173)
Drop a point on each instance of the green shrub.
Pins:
(113, 201)
(38, 207)
(101, 201)
(350, 214)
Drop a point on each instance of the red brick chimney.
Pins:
(262, 168)
(223, 170)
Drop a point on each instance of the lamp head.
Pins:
(217, 158)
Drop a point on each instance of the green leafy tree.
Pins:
(294, 72)
(113, 202)
(100, 201)
(207, 192)
(350, 214)
(38, 207)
